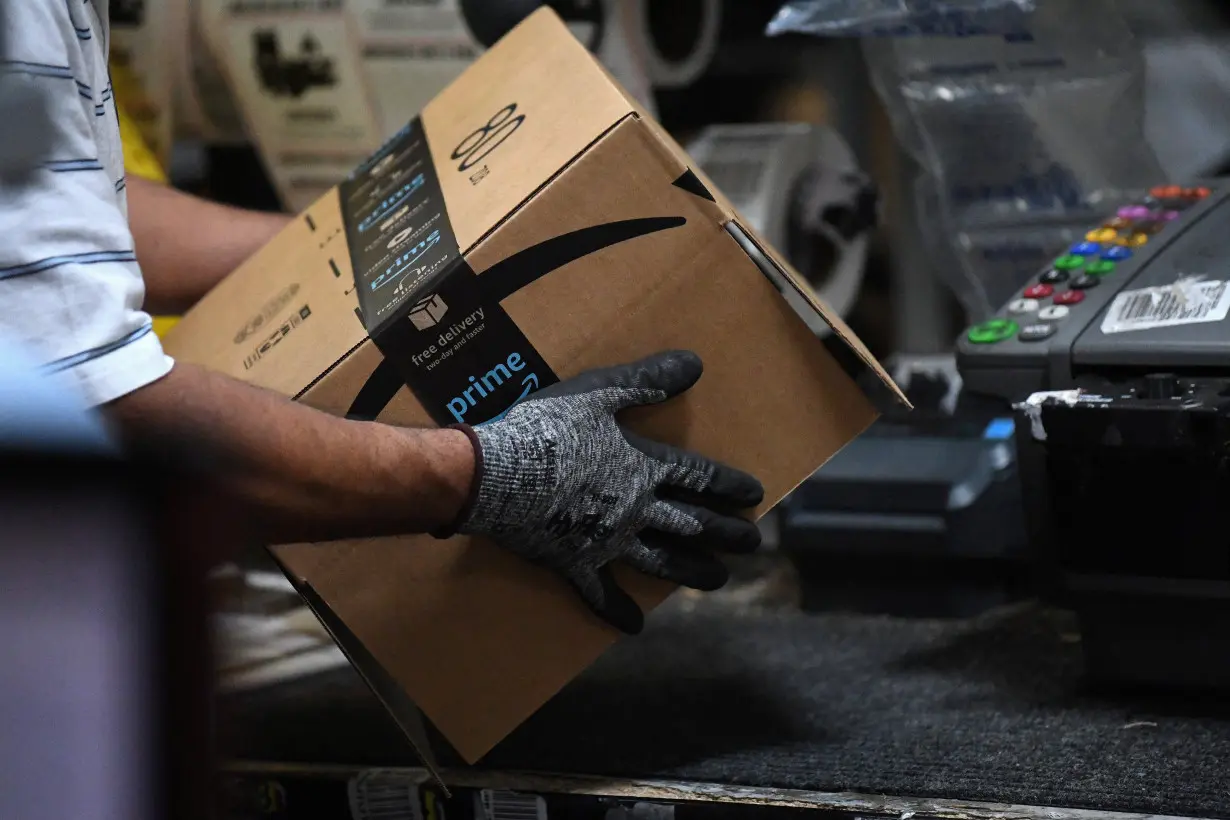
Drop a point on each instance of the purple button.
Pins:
(1134, 212)
(1170, 216)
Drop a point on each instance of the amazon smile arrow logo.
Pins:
(529, 385)
(489, 289)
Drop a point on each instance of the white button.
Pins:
(1023, 306)
(1053, 313)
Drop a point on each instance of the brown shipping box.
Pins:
(530, 224)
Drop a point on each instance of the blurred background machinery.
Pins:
(915, 181)
(190, 78)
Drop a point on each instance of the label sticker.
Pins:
(1186, 302)
(385, 795)
(495, 804)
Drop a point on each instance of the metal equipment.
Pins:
(918, 517)
(1117, 358)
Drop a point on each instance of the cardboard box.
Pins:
(532, 223)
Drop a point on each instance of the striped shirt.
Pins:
(70, 286)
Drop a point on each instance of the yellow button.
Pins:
(1132, 240)
(1101, 235)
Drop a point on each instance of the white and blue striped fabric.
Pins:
(70, 288)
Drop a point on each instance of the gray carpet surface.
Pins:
(992, 709)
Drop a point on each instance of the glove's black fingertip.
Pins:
(618, 609)
(728, 534)
(673, 371)
(735, 488)
(742, 539)
(688, 361)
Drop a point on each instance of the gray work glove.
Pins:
(562, 484)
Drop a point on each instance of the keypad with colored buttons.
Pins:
(1046, 303)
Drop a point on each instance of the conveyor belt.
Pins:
(990, 710)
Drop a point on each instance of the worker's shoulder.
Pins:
(49, 33)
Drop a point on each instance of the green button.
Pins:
(996, 330)
(1100, 267)
(1069, 262)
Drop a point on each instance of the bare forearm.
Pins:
(306, 476)
(186, 245)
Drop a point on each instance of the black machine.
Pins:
(921, 515)
(1117, 359)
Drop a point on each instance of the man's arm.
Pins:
(302, 474)
(71, 293)
(186, 245)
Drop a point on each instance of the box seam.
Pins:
(325, 373)
(812, 302)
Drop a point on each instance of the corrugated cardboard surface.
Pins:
(478, 638)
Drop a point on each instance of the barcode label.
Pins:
(495, 804)
(385, 795)
(1183, 303)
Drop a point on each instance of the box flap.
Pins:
(386, 690)
(843, 331)
(519, 114)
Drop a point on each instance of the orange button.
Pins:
(1118, 223)
(1201, 193)
(1131, 240)
(1160, 191)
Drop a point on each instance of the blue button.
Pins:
(1117, 253)
(999, 430)
(1086, 248)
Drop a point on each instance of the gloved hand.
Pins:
(562, 484)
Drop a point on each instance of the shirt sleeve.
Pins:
(70, 287)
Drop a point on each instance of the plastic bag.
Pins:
(1022, 115)
(898, 18)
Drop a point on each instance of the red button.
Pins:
(1201, 193)
(1038, 292)
(1069, 297)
